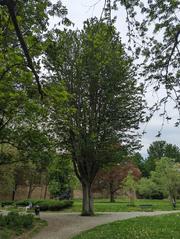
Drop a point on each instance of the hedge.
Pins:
(47, 205)
(6, 203)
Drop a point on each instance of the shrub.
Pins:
(23, 203)
(16, 221)
(54, 205)
(13, 220)
(27, 220)
(3, 221)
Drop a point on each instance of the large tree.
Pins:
(105, 104)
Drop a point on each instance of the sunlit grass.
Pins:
(157, 227)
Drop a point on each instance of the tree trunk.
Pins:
(112, 198)
(112, 193)
(14, 192)
(87, 204)
(29, 191)
(45, 191)
(173, 201)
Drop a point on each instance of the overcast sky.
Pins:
(79, 11)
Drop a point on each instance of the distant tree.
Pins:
(19, 175)
(105, 103)
(138, 160)
(12, 175)
(110, 180)
(157, 150)
(61, 175)
(6, 180)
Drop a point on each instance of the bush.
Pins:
(45, 205)
(54, 205)
(16, 221)
(23, 203)
(3, 221)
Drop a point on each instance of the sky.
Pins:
(78, 12)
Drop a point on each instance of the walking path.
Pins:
(66, 225)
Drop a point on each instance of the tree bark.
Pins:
(173, 201)
(14, 192)
(111, 192)
(87, 203)
(112, 198)
(45, 191)
(30, 191)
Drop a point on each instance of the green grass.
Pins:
(157, 227)
(103, 205)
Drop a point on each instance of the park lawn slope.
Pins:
(157, 227)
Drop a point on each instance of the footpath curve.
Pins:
(67, 225)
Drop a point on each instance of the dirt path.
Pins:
(66, 225)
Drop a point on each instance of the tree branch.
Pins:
(11, 9)
(176, 42)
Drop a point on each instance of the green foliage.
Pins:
(148, 189)
(161, 227)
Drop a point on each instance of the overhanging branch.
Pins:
(11, 9)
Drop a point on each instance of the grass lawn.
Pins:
(103, 205)
(157, 227)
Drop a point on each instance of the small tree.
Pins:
(167, 178)
(130, 185)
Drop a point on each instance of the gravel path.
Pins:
(66, 225)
